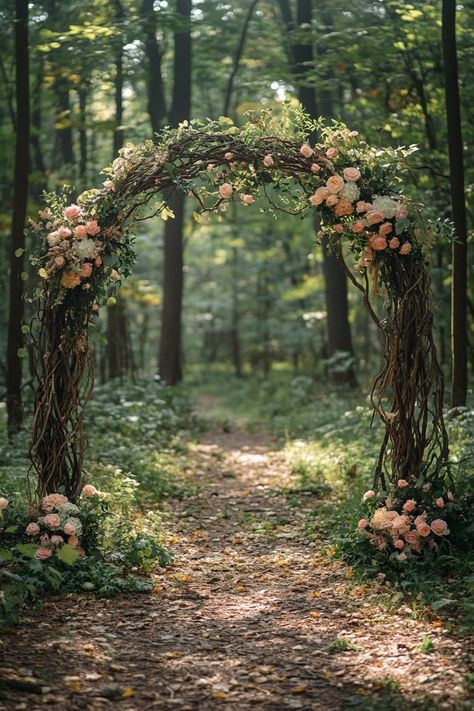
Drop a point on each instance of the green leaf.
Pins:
(19, 252)
(11, 529)
(22, 353)
(67, 554)
(25, 328)
(27, 549)
(5, 554)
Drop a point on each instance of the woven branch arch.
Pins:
(86, 247)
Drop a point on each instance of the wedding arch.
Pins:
(83, 248)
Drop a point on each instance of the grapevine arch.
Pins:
(85, 248)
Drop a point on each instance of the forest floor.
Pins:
(251, 615)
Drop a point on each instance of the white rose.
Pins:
(387, 206)
(350, 191)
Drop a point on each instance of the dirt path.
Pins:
(248, 618)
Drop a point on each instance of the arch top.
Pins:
(85, 247)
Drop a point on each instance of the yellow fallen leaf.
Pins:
(88, 647)
(240, 588)
(128, 693)
(314, 614)
(219, 695)
(298, 689)
(437, 623)
(314, 594)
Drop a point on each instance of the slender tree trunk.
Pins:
(170, 338)
(118, 83)
(64, 132)
(154, 54)
(238, 56)
(40, 183)
(458, 206)
(16, 305)
(83, 91)
(235, 328)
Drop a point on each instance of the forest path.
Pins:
(247, 618)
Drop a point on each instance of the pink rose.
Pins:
(59, 261)
(400, 523)
(402, 483)
(405, 248)
(439, 527)
(358, 226)
(69, 529)
(92, 227)
(306, 150)
(409, 505)
(52, 520)
(389, 502)
(226, 190)
(268, 161)
(72, 212)
(86, 270)
(363, 523)
(315, 168)
(43, 553)
(54, 501)
(32, 529)
(319, 196)
(332, 200)
(331, 152)
(401, 212)
(394, 243)
(3, 503)
(440, 502)
(335, 183)
(351, 174)
(378, 243)
(228, 155)
(89, 490)
(423, 529)
(64, 232)
(373, 217)
(81, 231)
(399, 544)
(339, 228)
(360, 206)
(98, 261)
(73, 541)
(412, 538)
(385, 228)
(368, 495)
(401, 556)
(57, 540)
(420, 519)
(247, 199)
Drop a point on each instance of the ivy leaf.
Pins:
(67, 554)
(19, 252)
(27, 549)
(22, 353)
(5, 554)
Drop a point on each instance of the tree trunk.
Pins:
(235, 328)
(458, 206)
(118, 83)
(170, 338)
(40, 183)
(16, 305)
(83, 135)
(64, 132)
(154, 53)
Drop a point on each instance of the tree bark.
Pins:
(458, 207)
(16, 305)
(83, 91)
(170, 339)
(64, 132)
(154, 53)
(238, 56)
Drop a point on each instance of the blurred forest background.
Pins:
(239, 293)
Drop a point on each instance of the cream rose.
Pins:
(351, 174)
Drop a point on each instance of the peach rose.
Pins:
(399, 543)
(385, 228)
(405, 248)
(368, 495)
(363, 523)
(59, 261)
(401, 556)
(335, 183)
(358, 226)
(412, 538)
(402, 483)
(344, 207)
(89, 490)
(247, 199)
(379, 243)
(69, 529)
(401, 212)
(43, 553)
(360, 207)
(226, 190)
(3, 503)
(268, 161)
(409, 505)
(54, 501)
(228, 155)
(306, 150)
(52, 520)
(72, 212)
(86, 270)
(92, 227)
(440, 502)
(420, 519)
(81, 231)
(332, 200)
(423, 529)
(64, 232)
(339, 228)
(319, 196)
(394, 243)
(351, 174)
(98, 261)
(315, 168)
(373, 217)
(73, 541)
(32, 529)
(439, 527)
(57, 540)
(400, 523)
(331, 152)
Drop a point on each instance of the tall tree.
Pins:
(458, 207)
(154, 53)
(301, 55)
(170, 337)
(16, 305)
